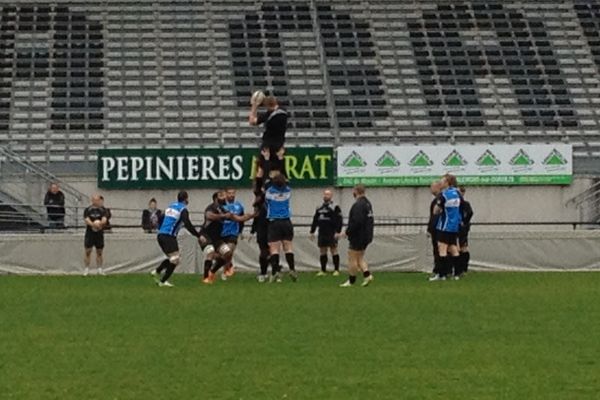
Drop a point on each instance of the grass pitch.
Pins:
(491, 336)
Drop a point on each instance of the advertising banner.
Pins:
(411, 165)
(206, 168)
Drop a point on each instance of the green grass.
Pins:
(491, 336)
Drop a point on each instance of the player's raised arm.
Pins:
(255, 101)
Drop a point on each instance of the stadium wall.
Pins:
(491, 204)
(131, 252)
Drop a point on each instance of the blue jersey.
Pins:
(278, 202)
(450, 218)
(172, 219)
(232, 228)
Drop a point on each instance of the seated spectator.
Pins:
(151, 217)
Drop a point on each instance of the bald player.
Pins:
(328, 220)
(95, 218)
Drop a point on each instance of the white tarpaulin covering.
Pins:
(137, 252)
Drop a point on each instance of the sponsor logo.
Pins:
(488, 159)
(387, 160)
(354, 160)
(420, 160)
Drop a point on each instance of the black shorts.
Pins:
(216, 244)
(357, 246)
(449, 238)
(273, 150)
(93, 239)
(230, 239)
(280, 230)
(327, 241)
(168, 243)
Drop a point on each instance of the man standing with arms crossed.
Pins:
(328, 219)
(95, 217)
(360, 234)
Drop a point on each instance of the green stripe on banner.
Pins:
(465, 180)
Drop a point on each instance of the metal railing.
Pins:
(588, 202)
(11, 220)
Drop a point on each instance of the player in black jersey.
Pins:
(260, 227)
(95, 217)
(328, 220)
(272, 150)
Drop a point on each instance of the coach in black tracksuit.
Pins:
(435, 191)
(328, 219)
(360, 234)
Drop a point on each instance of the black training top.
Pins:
(328, 219)
(361, 222)
(94, 214)
(213, 229)
(275, 127)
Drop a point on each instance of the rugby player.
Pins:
(360, 234)
(175, 216)
(272, 150)
(281, 231)
(328, 220)
(95, 217)
(232, 230)
(260, 227)
(431, 226)
(447, 209)
(463, 234)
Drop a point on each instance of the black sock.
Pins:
(456, 264)
(352, 279)
(207, 265)
(323, 260)
(264, 264)
(466, 259)
(218, 264)
(436, 264)
(366, 274)
(289, 257)
(336, 261)
(169, 271)
(274, 261)
(445, 266)
(163, 265)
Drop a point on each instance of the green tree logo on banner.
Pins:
(555, 158)
(521, 159)
(454, 159)
(488, 159)
(387, 160)
(421, 159)
(354, 160)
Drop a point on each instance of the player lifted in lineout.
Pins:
(271, 158)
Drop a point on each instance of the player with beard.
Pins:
(328, 219)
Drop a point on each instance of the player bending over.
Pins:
(328, 219)
(273, 140)
(448, 225)
(175, 216)
(281, 230)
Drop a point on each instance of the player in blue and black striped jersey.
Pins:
(448, 211)
(281, 231)
(176, 215)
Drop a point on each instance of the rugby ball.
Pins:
(257, 98)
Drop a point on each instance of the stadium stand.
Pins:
(79, 76)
